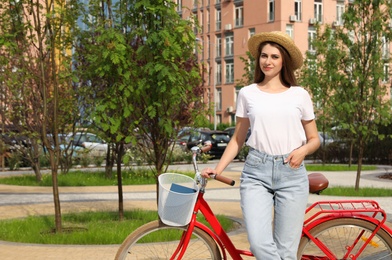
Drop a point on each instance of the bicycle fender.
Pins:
(329, 217)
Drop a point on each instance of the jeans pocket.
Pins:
(253, 160)
(295, 169)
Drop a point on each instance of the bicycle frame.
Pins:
(217, 232)
(367, 210)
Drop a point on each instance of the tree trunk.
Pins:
(359, 168)
(35, 163)
(350, 158)
(120, 151)
(56, 195)
(109, 161)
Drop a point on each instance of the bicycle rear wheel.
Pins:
(156, 240)
(339, 235)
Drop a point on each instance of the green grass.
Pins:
(81, 178)
(338, 167)
(362, 192)
(88, 228)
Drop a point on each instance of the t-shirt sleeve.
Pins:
(241, 110)
(308, 111)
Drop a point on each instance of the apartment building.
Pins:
(226, 26)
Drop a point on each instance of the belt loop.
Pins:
(264, 157)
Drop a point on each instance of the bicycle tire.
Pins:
(136, 245)
(338, 234)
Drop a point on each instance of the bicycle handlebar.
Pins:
(205, 148)
(223, 179)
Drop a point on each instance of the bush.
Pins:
(98, 160)
(14, 161)
(243, 153)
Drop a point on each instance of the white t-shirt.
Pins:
(275, 119)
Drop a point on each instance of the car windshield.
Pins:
(220, 137)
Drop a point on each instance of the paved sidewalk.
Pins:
(223, 200)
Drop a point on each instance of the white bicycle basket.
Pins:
(177, 198)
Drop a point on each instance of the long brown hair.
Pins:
(286, 74)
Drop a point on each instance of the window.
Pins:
(386, 72)
(229, 72)
(209, 47)
(239, 16)
(218, 21)
(218, 74)
(298, 9)
(385, 48)
(318, 10)
(201, 23)
(290, 30)
(218, 119)
(209, 97)
(339, 12)
(252, 32)
(218, 47)
(179, 5)
(271, 10)
(202, 49)
(208, 21)
(208, 72)
(229, 45)
(218, 101)
(311, 36)
(237, 92)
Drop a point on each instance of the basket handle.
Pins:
(223, 179)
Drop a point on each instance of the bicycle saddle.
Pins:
(317, 182)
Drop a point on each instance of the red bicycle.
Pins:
(343, 229)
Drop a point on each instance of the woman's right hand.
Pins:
(205, 173)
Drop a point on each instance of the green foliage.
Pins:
(248, 76)
(14, 161)
(144, 57)
(346, 76)
(243, 153)
(204, 157)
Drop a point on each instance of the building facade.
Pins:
(226, 26)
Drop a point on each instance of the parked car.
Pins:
(182, 141)
(84, 140)
(230, 131)
(325, 139)
(218, 139)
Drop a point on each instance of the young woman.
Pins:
(274, 184)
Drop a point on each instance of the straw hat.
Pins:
(280, 38)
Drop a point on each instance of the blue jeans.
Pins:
(273, 201)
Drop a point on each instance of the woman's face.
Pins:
(271, 61)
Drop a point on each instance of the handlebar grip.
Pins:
(223, 179)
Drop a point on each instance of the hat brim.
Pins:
(280, 38)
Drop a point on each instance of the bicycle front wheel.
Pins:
(156, 240)
(343, 234)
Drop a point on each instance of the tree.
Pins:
(320, 74)
(249, 70)
(139, 58)
(354, 63)
(35, 71)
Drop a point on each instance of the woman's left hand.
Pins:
(296, 158)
